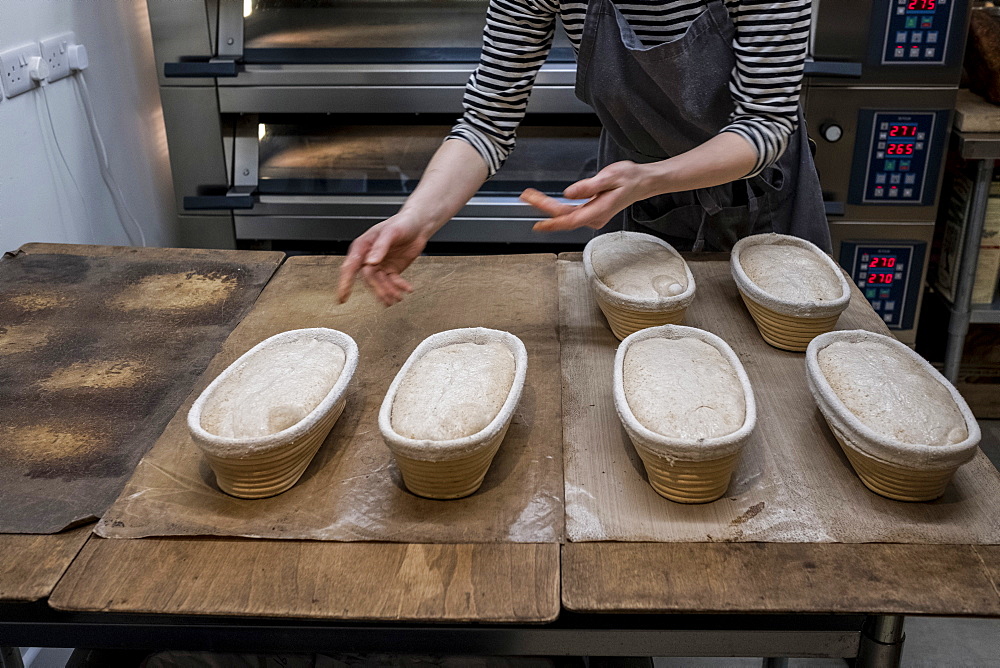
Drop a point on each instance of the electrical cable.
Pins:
(109, 180)
(55, 138)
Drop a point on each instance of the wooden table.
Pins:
(226, 593)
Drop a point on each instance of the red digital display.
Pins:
(922, 5)
(899, 149)
(881, 279)
(902, 130)
(882, 262)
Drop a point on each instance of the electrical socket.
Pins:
(55, 52)
(14, 66)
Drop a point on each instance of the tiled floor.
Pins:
(930, 641)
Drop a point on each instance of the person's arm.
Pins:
(516, 41)
(452, 177)
(723, 158)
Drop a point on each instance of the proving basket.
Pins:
(627, 314)
(684, 470)
(886, 466)
(451, 469)
(784, 323)
(262, 466)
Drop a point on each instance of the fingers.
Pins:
(380, 246)
(349, 269)
(549, 205)
(596, 213)
(387, 287)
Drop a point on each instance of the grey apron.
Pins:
(657, 102)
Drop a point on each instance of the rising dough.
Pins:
(683, 388)
(891, 393)
(453, 391)
(639, 268)
(790, 272)
(276, 388)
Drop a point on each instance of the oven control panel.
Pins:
(917, 31)
(897, 157)
(888, 273)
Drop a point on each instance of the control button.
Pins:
(914, 52)
(887, 317)
(895, 178)
(884, 293)
(881, 146)
(910, 179)
(900, 11)
(921, 136)
(879, 191)
(890, 306)
(861, 284)
(932, 36)
(876, 305)
(899, 275)
(870, 293)
(919, 146)
(880, 177)
(916, 37)
(883, 135)
(883, 126)
(900, 266)
(863, 274)
(929, 52)
(908, 192)
(879, 155)
(893, 191)
(832, 132)
(890, 165)
(904, 165)
(901, 36)
(911, 22)
(898, 52)
(864, 258)
(927, 22)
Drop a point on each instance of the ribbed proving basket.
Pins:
(786, 324)
(627, 314)
(453, 468)
(886, 466)
(262, 466)
(684, 470)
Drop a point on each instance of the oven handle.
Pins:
(215, 67)
(833, 68)
(232, 199)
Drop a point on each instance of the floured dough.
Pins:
(790, 272)
(453, 391)
(683, 388)
(890, 393)
(639, 268)
(275, 389)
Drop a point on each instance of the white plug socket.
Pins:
(78, 58)
(15, 66)
(55, 52)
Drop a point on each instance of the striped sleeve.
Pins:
(770, 44)
(516, 41)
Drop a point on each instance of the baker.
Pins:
(703, 139)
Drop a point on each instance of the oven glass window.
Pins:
(345, 156)
(344, 31)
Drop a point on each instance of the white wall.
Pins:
(38, 201)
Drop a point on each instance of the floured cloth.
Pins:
(352, 491)
(99, 345)
(792, 484)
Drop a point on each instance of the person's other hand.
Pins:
(609, 191)
(380, 255)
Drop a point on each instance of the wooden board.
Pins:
(98, 347)
(781, 578)
(352, 490)
(349, 581)
(31, 565)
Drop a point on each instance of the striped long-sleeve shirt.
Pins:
(770, 45)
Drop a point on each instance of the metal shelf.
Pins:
(979, 145)
(985, 313)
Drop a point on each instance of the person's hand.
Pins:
(609, 191)
(380, 255)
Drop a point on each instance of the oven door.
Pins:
(887, 42)
(274, 44)
(330, 177)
